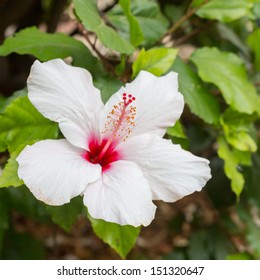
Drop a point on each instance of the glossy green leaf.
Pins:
(227, 71)
(136, 33)
(88, 13)
(6, 101)
(66, 215)
(199, 100)
(9, 176)
(120, 238)
(156, 61)
(176, 131)
(237, 128)
(223, 10)
(230, 166)
(111, 39)
(48, 46)
(21, 123)
(147, 13)
(243, 158)
(253, 42)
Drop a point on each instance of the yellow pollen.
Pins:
(121, 119)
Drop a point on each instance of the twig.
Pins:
(178, 23)
(194, 32)
(103, 59)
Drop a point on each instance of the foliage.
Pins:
(120, 238)
(220, 84)
(47, 46)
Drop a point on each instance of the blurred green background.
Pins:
(218, 61)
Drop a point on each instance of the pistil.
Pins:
(120, 122)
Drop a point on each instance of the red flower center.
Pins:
(97, 154)
(119, 125)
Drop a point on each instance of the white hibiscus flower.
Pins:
(114, 154)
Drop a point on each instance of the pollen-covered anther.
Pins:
(121, 119)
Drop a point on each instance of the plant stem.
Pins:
(103, 59)
(178, 23)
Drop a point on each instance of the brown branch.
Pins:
(179, 22)
(103, 59)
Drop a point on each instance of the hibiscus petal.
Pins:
(66, 95)
(55, 171)
(172, 172)
(121, 196)
(158, 102)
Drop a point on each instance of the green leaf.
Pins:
(112, 40)
(6, 101)
(197, 3)
(239, 256)
(253, 236)
(253, 42)
(147, 13)
(88, 13)
(22, 246)
(21, 123)
(4, 218)
(244, 158)
(120, 68)
(156, 61)
(237, 129)
(252, 176)
(223, 10)
(9, 176)
(215, 245)
(227, 33)
(230, 166)
(228, 73)
(48, 46)
(199, 100)
(108, 85)
(120, 238)
(176, 131)
(136, 33)
(22, 200)
(66, 215)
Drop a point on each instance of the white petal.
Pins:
(171, 171)
(65, 94)
(55, 171)
(158, 102)
(121, 196)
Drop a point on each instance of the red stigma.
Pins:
(128, 99)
